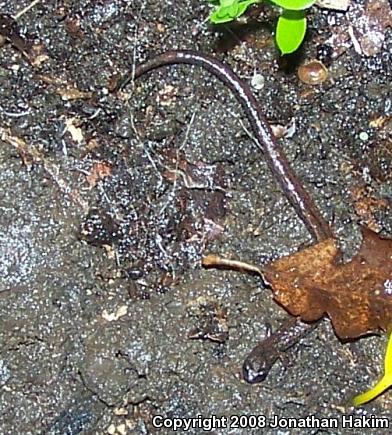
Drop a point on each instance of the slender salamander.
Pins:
(266, 141)
(263, 356)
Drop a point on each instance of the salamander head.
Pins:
(255, 368)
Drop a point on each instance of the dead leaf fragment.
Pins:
(366, 205)
(363, 26)
(66, 90)
(74, 28)
(99, 171)
(355, 295)
(32, 154)
(72, 127)
(210, 318)
(110, 317)
(29, 154)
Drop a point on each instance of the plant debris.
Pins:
(67, 91)
(9, 31)
(211, 319)
(357, 295)
(366, 205)
(339, 5)
(363, 26)
(99, 171)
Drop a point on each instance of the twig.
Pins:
(26, 9)
(213, 260)
(172, 194)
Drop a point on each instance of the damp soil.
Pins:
(108, 202)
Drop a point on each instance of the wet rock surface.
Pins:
(108, 202)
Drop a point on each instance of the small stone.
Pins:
(363, 136)
(313, 72)
(338, 5)
(258, 81)
(122, 429)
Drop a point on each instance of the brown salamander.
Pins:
(266, 141)
(263, 356)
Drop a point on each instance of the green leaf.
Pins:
(231, 11)
(290, 30)
(221, 15)
(227, 3)
(294, 5)
(243, 6)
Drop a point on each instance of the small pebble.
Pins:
(363, 136)
(122, 429)
(258, 81)
(313, 72)
(338, 5)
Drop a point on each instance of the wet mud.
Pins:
(109, 200)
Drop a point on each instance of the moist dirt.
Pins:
(108, 201)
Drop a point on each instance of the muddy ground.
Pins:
(101, 236)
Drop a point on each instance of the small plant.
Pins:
(291, 27)
(384, 383)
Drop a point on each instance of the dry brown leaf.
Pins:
(70, 92)
(66, 90)
(28, 153)
(357, 296)
(37, 55)
(366, 206)
(99, 171)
